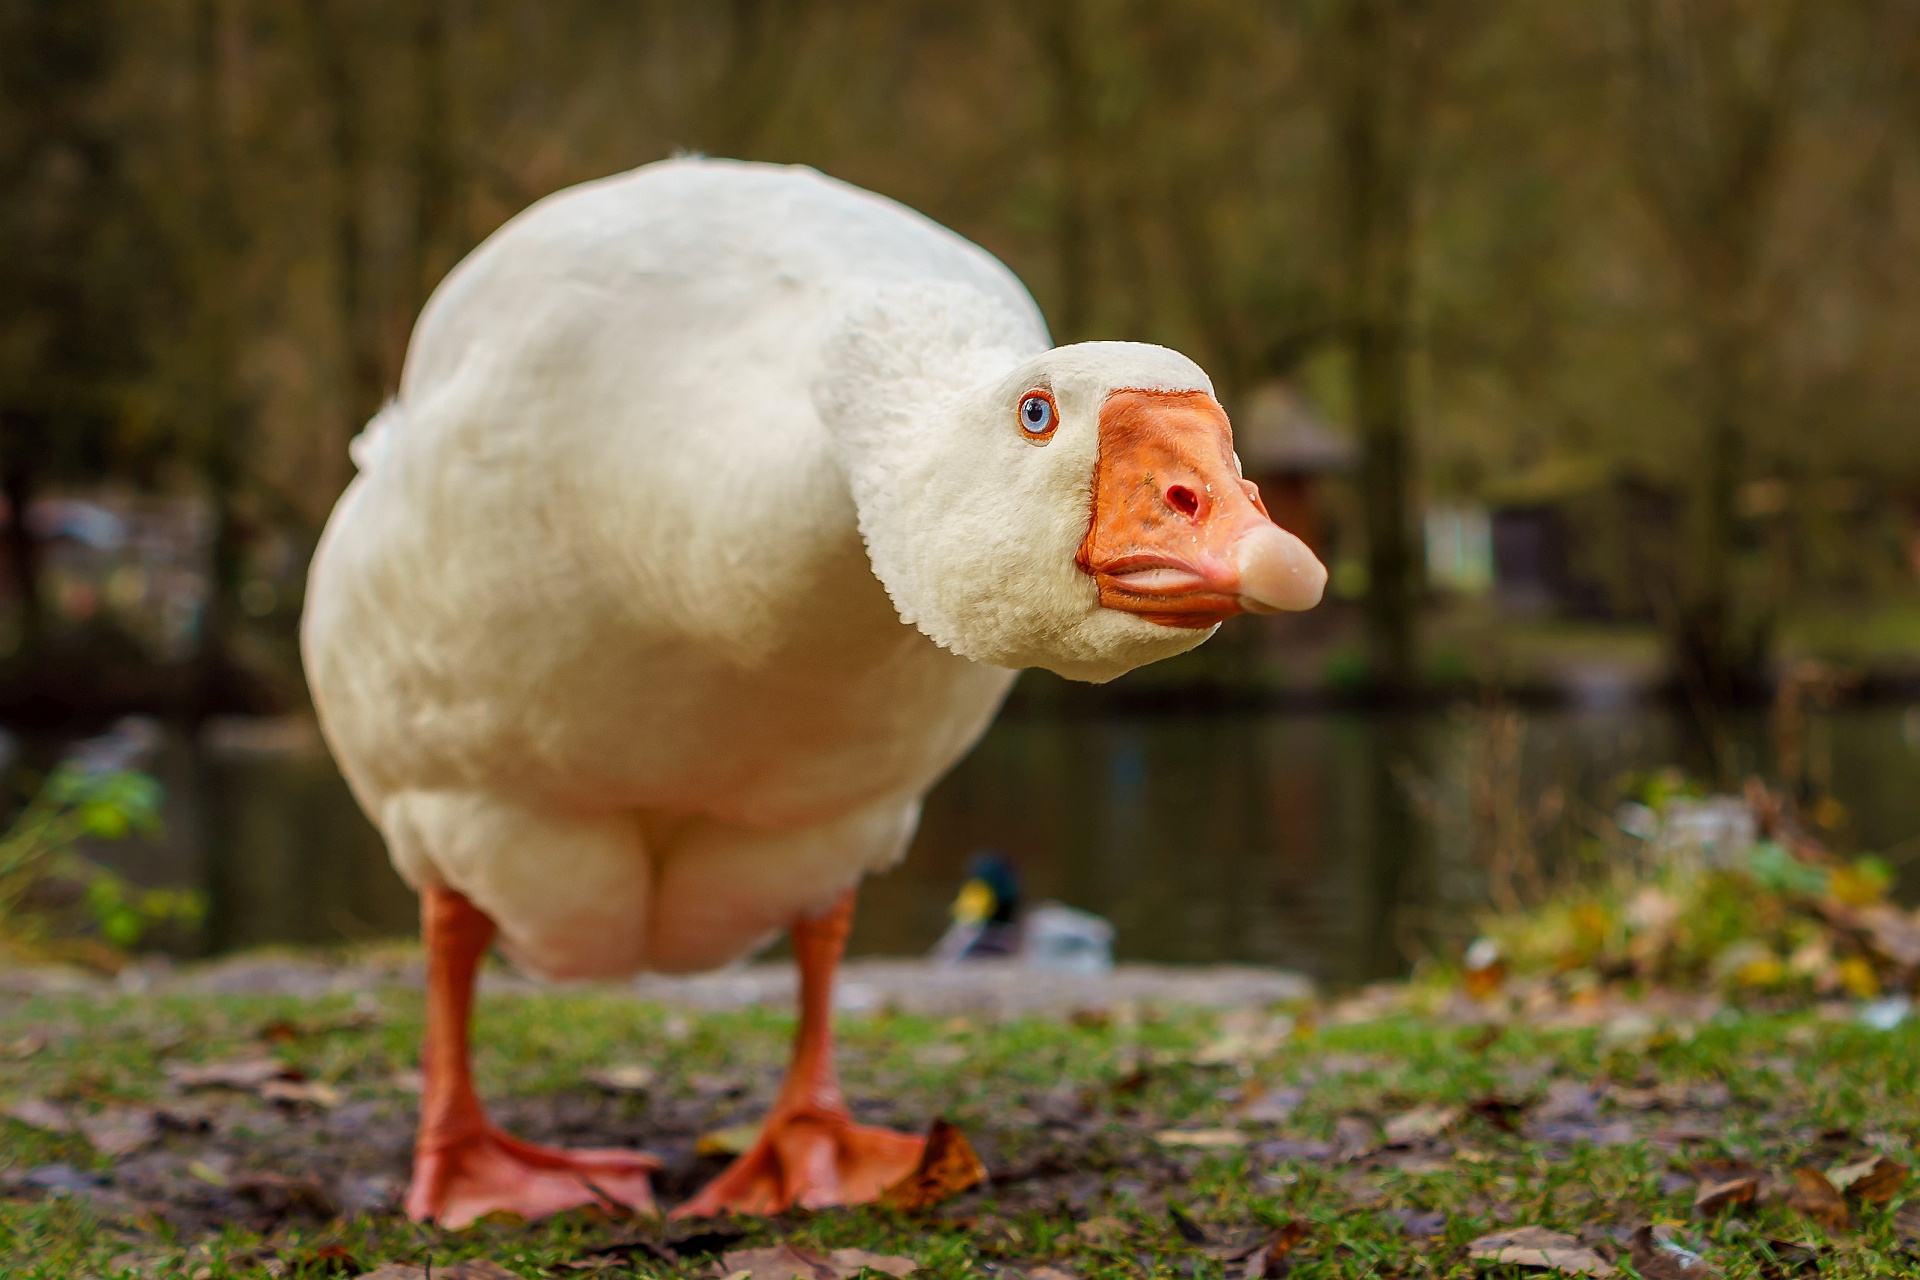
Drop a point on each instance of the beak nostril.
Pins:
(1183, 499)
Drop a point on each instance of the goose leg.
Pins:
(463, 1167)
(809, 1151)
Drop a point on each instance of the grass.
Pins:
(1065, 1114)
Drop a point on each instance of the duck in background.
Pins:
(988, 924)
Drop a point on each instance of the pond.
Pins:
(1336, 843)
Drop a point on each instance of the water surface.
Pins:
(1337, 843)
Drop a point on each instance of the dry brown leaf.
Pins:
(1211, 1139)
(623, 1077)
(730, 1141)
(1050, 1273)
(947, 1167)
(788, 1262)
(235, 1073)
(1812, 1195)
(25, 1046)
(119, 1131)
(1105, 1230)
(1875, 1181)
(1420, 1124)
(38, 1113)
(781, 1262)
(1354, 1137)
(1541, 1249)
(475, 1269)
(1273, 1106)
(1273, 1258)
(1657, 1260)
(294, 1094)
(849, 1262)
(1727, 1193)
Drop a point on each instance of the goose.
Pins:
(718, 507)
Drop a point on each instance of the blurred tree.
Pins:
(1422, 210)
(1385, 60)
(78, 253)
(338, 71)
(1712, 96)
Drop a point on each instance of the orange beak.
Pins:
(1177, 536)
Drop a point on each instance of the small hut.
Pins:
(1290, 452)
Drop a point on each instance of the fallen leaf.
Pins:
(119, 1131)
(332, 1259)
(1189, 1230)
(1727, 1193)
(1050, 1273)
(235, 1073)
(278, 1196)
(294, 1094)
(1500, 1112)
(286, 1031)
(849, 1262)
(1885, 928)
(1419, 1223)
(947, 1167)
(1484, 969)
(1815, 1197)
(38, 1113)
(207, 1173)
(1875, 1181)
(22, 1047)
(624, 1077)
(1105, 1230)
(1273, 1259)
(1274, 1106)
(1657, 1259)
(1205, 1138)
(1542, 1249)
(1354, 1137)
(1569, 1100)
(474, 1269)
(1420, 1124)
(278, 1031)
(788, 1262)
(730, 1141)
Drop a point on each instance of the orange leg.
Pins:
(463, 1167)
(809, 1151)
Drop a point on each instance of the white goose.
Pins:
(718, 507)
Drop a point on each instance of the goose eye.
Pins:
(1037, 415)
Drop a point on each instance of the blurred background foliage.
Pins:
(1646, 272)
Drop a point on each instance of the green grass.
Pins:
(1064, 1113)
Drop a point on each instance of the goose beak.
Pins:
(1177, 535)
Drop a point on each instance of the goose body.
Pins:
(705, 534)
(601, 573)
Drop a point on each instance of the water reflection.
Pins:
(1268, 838)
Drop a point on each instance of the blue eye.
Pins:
(1037, 415)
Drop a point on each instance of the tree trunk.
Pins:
(217, 248)
(1062, 34)
(1708, 135)
(436, 177)
(341, 112)
(1376, 132)
(22, 560)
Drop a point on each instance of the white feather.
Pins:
(700, 541)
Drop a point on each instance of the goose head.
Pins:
(1083, 512)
